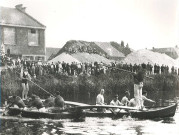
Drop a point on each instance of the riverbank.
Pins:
(84, 88)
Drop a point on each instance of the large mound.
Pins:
(86, 57)
(104, 48)
(145, 56)
(64, 57)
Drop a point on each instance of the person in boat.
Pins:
(25, 76)
(115, 101)
(100, 101)
(50, 101)
(16, 101)
(144, 98)
(100, 98)
(125, 99)
(59, 101)
(138, 85)
(36, 102)
(133, 102)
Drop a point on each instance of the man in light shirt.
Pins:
(100, 98)
(115, 101)
(125, 99)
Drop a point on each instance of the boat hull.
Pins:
(152, 113)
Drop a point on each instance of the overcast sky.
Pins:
(140, 23)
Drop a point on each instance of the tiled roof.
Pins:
(15, 17)
(109, 49)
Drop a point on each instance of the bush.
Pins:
(84, 88)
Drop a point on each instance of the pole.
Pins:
(37, 85)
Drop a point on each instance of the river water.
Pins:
(91, 126)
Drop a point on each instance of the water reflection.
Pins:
(91, 126)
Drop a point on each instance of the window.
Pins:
(33, 37)
(9, 36)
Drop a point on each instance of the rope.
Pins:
(36, 85)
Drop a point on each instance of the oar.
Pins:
(106, 106)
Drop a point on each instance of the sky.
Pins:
(140, 23)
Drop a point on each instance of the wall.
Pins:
(22, 47)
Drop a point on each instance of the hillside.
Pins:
(145, 56)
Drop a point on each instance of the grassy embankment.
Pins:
(85, 88)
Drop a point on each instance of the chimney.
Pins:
(20, 7)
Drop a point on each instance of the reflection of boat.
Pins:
(161, 112)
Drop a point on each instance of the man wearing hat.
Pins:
(25, 76)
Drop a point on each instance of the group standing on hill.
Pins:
(40, 68)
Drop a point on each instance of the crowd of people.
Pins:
(91, 68)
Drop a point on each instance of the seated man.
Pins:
(144, 98)
(59, 101)
(133, 102)
(100, 98)
(116, 102)
(50, 101)
(125, 99)
(36, 102)
(16, 100)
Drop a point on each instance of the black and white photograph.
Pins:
(89, 67)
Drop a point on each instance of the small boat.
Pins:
(88, 111)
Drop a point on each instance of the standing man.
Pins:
(100, 98)
(138, 85)
(25, 76)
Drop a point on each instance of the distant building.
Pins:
(112, 52)
(173, 52)
(21, 35)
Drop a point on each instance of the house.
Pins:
(173, 52)
(112, 52)
(21, 34)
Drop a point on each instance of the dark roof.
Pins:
(18, 18)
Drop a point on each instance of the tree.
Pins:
(127, 46)
(122, 44)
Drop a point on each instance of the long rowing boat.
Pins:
(88, 111)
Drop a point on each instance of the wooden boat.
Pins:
(88, 111)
